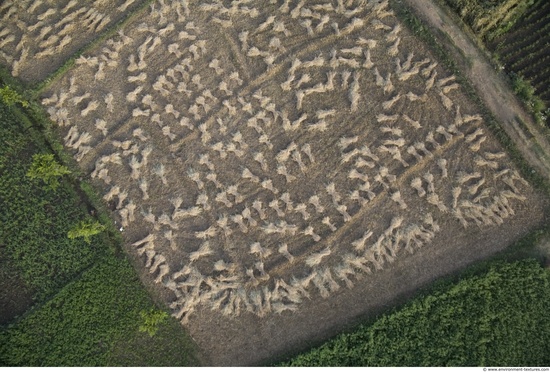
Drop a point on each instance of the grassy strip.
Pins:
(94, 322)
(69, 63)
(497, 318)
(435, 43)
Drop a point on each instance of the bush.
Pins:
(151, 320)
(522, 88)
(85, 229)
(45, 168)
(526, 92)
(10, 96)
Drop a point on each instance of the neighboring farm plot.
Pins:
(525, 50)
(262, 156)
(489, 19)
(37, 36)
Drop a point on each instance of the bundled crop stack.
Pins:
(38, 35)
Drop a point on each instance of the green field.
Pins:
(516, 33)
(499, 317)
(489, 19)
(66, 302)
(525, 48)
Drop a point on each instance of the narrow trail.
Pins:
(490, 85)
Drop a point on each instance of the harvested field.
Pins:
(280, 169)
(37, 36)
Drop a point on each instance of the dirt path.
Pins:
(490, 86)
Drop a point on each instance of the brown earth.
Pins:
(249, 340)
(38, 31)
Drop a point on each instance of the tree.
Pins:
(85, 229)
(151, 320)
(45, 168)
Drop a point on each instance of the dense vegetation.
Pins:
(74, 327)
(35, 219)
(517, 33)
(87, 298)
(490, 19)
(525, 49)
(498, 318)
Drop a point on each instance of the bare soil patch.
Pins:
(281, 170)
(15, 296)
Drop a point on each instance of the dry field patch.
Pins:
(37, 36)
(263, 156)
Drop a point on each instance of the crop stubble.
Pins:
(261, 159)
(37, 36)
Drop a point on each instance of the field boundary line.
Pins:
(39, 87)
(490, 87)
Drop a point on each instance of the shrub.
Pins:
(526, 92)
(523, 88)
(10, 96)
(85, 229)
(151, 320)
(47, 169)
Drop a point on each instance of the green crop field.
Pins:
(489, 19)
(497, 318)
(517, 33)
(65, 301)
(525, 49)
